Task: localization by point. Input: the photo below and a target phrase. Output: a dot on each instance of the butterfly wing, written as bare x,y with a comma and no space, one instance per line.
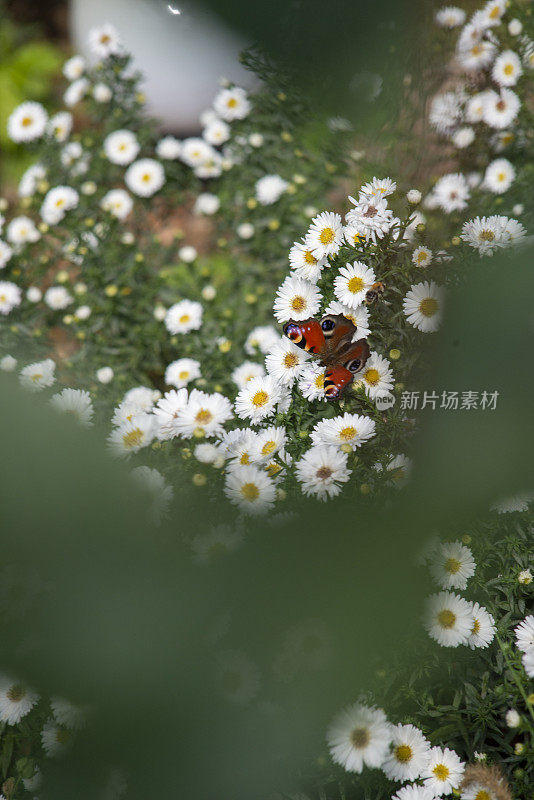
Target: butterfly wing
344,365
307,335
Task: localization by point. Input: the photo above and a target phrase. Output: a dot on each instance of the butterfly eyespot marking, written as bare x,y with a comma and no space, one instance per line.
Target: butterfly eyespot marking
292,332
328,325
354,365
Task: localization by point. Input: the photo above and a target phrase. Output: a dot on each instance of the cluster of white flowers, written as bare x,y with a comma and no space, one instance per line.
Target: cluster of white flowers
449,618
361,736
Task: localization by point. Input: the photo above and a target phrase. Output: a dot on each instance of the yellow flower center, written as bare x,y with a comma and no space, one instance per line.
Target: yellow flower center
250,492
326,236
291,360
3,298
403,753
298,303
355,284
244,459
482,795
16,693
133,438
231,102
501,176
184,319
452,565
146,177
441,772
347,434
309,258
446,618
429,306
203,417
105,38
26,121
372,376
359,737
60,202
268,448
260,398
319,381
36,376
486,236
422,256
508,69
495,12
183,375
476,50
272,468
476,626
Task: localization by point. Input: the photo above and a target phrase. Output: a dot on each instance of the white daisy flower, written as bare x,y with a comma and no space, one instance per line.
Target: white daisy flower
524,634
258,399
74,67
169,148
104,375
500,109
518,502
195,151
187,254
499,176
478,55
525,577
444,771
217,132
474,107
325,235
27,122
212,167
485,234
267,442
239,446
67,714
321,470
208,453
121,147
528,663
57,202
347,431
463,137
133,435
76,92
245,372
118,202
409,755
422,256
412,791
183,317
102,93
55,739
143,396
261,338
21,230
204,415
378,188
8,364
452,192
57,298
311,381
60,125
448,619
285,361
167,412
359,736
250,488
353,282
29,180
399,468
304,264
16,700
269,189
370,218
219,540
376,376
296,300
39,375
245,230
5,253
232,104
476,791
450,16
445,111
513,718
76,402
483,628
182,371
144,177
452,565
423,306
207,203
159,491
359,317
493,11
507,68
104,41
10,297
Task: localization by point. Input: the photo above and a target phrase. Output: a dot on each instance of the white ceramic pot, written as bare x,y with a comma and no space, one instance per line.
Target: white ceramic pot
182,55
